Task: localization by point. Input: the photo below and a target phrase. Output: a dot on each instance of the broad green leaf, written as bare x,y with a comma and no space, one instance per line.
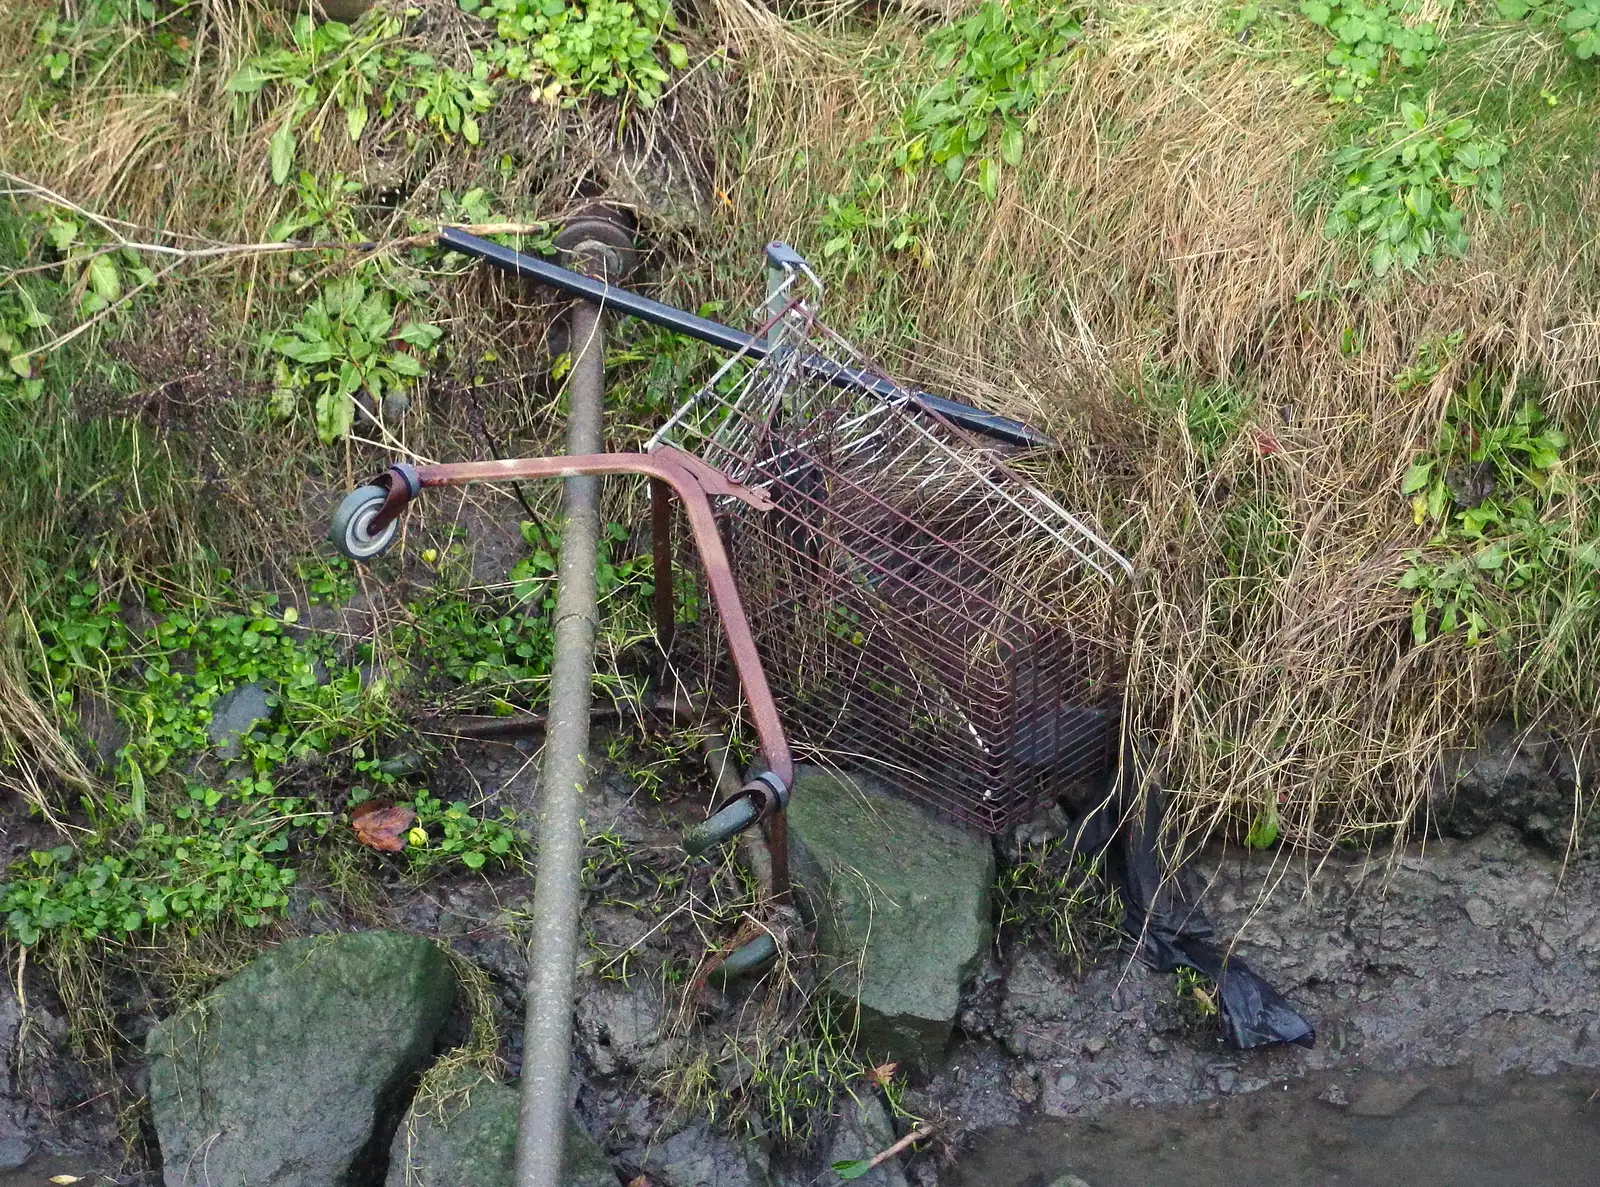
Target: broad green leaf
1264,829
1317,12
419,333
1416,477
136,800
305,352
249,80
1438,499
1011,146
61,233
355,119
405,364
852,1168
280,151
372,317
334,413
103,278
989,178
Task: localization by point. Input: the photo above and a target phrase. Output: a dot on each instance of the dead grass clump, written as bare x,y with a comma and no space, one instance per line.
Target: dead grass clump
1151,284
1162,232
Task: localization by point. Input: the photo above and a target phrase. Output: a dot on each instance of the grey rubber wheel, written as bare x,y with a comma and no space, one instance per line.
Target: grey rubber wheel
350,529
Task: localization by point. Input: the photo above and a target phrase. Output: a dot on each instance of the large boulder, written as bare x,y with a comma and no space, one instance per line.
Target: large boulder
293,1073
462,1132
901,903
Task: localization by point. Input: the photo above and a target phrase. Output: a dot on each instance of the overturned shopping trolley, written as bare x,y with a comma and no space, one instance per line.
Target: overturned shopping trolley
890,591
919,607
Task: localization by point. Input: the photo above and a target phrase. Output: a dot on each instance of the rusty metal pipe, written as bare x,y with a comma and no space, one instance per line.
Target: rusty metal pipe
665,605
692,481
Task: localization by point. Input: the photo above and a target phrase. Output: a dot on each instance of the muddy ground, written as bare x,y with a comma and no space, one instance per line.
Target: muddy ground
1479,955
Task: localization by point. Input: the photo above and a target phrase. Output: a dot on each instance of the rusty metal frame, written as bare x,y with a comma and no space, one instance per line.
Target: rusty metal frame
695,483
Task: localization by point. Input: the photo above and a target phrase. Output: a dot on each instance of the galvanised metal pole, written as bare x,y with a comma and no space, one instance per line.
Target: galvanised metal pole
553,954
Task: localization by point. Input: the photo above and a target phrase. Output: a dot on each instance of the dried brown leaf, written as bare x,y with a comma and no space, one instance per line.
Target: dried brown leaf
380,826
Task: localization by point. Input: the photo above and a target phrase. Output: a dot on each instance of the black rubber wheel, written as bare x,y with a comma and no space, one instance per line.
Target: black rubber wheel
729,822
349,528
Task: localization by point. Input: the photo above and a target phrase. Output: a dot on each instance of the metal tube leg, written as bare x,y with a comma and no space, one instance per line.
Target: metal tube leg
552,964
661,564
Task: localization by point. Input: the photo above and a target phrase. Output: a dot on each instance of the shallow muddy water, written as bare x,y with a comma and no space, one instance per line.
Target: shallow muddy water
1439,1129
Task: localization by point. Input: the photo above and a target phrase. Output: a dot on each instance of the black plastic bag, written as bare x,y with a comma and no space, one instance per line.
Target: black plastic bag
1170,931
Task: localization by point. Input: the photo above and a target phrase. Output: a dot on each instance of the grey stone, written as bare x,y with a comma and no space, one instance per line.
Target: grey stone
861,1131
1385,1097
1522,777
101,727
234,715
291,1072
395,405
617,1025
14,1152
697,1157
902,908
461,1131
1069,1181
1482,912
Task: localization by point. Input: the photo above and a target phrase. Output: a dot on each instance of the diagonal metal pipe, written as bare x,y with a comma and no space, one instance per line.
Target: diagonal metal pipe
553,953
626,301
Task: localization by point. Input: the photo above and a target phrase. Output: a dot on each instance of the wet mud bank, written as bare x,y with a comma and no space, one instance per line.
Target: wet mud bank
1458,982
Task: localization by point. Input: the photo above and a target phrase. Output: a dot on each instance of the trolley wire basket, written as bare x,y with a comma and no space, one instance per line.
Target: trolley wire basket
921,609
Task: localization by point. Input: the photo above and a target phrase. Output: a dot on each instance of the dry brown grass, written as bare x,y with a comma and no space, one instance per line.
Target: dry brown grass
1155,240
1155,236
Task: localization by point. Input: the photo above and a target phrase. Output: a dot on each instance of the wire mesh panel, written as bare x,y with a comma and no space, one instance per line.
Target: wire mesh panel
918,606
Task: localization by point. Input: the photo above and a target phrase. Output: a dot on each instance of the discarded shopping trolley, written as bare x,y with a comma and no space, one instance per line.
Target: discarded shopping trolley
912,598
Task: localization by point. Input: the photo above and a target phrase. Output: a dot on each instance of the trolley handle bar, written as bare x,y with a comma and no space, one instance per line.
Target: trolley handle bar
681,321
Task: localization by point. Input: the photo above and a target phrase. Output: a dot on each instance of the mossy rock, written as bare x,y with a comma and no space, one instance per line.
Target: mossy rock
462,1132
902,907
293,1072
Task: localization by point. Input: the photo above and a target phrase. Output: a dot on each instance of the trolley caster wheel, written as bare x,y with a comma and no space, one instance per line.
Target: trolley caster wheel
725,825
350,527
